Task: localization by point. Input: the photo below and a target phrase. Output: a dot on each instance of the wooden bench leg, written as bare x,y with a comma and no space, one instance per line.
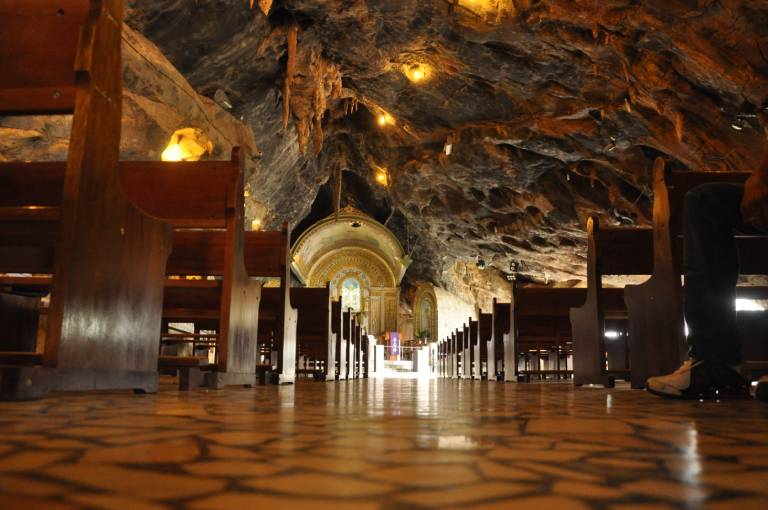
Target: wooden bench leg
19,316
190,378
264,377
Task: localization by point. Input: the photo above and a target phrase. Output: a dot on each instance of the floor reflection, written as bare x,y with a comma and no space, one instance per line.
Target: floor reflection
384,443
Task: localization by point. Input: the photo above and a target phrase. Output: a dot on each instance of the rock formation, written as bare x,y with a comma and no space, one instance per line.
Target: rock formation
533,113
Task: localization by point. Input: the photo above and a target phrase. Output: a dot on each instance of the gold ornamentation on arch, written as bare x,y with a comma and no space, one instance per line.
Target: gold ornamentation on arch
351,258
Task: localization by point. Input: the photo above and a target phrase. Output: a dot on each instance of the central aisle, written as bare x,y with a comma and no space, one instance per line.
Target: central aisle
381,443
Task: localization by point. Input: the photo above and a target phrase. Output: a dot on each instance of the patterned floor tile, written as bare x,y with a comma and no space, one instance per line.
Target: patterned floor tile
133,482
425,475
383,444
585,490
111,502
533,503
248,501
30,461
463,495
165,452
312,484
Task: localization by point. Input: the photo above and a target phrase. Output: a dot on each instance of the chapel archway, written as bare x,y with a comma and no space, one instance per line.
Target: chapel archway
362,261
425,313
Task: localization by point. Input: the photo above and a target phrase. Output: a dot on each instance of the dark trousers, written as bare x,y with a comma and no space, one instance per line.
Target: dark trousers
712,215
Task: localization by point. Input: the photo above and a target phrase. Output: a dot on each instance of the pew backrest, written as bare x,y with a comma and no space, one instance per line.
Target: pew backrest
186,194
38,77
314,310
59,57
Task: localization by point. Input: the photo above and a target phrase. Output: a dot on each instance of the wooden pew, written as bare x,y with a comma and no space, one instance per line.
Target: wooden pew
542,324
456,351
351,347
440,358
101,256
342,344
501,340
462,340
346,345
267,254
453,358
356,353
466,370
656,306
203,201
365,347
457,348
447,356
439,361
473,332
610,251
485,337
473,348
315,338
204,196
336,330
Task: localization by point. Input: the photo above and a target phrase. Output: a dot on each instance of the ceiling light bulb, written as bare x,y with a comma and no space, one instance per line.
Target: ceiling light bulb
385,119
417,73
381,178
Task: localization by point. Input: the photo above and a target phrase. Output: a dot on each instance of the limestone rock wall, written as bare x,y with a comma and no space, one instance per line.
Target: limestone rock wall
553,110
535,115
452,313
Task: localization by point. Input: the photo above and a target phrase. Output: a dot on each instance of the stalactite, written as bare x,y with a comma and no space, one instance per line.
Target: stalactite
678,126
337,189
320,104
264,5
290,69
310,82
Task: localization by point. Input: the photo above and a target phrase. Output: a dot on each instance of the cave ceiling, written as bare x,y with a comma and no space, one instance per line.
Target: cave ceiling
553,110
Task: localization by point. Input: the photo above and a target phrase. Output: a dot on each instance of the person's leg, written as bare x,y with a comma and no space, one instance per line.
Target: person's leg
711,216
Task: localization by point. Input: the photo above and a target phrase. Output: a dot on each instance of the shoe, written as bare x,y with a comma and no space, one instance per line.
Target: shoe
698,378
761,392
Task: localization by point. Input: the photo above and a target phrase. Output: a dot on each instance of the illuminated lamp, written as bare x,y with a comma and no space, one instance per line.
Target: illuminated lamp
187,144
381,175
417,73
385,119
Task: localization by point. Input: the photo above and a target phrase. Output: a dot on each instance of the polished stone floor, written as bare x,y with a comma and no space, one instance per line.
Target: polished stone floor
383,443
